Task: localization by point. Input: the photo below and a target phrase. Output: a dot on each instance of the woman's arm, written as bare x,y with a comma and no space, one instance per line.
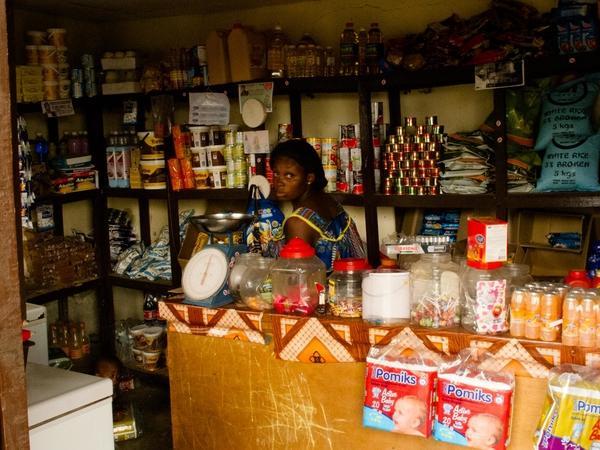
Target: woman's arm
295,227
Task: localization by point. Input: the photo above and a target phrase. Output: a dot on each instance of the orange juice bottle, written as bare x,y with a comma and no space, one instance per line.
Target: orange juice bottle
533,312
550,313
517,312
571,313
587,323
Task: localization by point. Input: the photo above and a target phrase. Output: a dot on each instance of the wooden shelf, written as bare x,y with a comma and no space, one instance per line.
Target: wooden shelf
349,199
212,194
44,296
142,285
135,193
70,197
553,200
437,201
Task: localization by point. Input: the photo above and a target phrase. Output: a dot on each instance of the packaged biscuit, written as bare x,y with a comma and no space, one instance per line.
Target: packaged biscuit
474,406
571,414
399,392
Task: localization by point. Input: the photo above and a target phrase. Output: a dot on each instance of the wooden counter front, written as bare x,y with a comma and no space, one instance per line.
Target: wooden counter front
228,394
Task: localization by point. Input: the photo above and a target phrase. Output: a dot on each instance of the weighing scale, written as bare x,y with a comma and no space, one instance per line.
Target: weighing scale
205,276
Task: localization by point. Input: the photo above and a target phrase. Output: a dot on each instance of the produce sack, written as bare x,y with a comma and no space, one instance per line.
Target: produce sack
570,164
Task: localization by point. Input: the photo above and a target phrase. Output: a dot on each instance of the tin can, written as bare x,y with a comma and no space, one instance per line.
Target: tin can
77,75
421,130
331,177
392,139
351,131
329,152
285,132
431,120
315,143
386,186
400,131
437,129
410,122
416,181
76,89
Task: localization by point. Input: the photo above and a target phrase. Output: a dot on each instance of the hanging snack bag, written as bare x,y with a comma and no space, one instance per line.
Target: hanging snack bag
474,406
567,109
399,391
570,164
571,415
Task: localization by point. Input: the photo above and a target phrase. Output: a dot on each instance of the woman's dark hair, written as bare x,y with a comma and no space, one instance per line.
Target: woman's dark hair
305,155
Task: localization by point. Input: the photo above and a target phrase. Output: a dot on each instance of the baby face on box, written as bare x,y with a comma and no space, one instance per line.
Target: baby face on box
399,395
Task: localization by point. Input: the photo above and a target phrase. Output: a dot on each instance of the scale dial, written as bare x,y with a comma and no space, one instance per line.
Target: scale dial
205,274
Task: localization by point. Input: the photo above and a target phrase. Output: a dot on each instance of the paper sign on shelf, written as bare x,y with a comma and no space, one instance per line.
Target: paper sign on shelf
256,142
209,108
58,108
499,75
263,92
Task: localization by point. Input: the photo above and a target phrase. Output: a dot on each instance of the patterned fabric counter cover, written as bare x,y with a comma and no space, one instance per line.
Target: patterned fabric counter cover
329,339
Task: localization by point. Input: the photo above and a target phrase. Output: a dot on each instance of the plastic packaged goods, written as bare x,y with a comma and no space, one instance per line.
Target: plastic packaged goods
247,53
474,402
374,49
219,71
399,391
570,414
276,54
435,299
349,51
345,287
298,278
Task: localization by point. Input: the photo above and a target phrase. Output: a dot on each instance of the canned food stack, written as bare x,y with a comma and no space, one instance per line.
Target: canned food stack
410,160
349,161
46,50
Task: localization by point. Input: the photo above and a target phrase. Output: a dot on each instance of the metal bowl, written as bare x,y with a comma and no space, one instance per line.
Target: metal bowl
222,222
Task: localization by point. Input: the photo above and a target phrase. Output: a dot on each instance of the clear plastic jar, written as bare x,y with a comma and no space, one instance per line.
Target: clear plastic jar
484,304
517,275
435,298
242,262
345,287
256,288
298,278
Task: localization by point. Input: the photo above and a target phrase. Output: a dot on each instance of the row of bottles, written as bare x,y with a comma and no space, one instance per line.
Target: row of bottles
72,144
71,338
361,53
122,138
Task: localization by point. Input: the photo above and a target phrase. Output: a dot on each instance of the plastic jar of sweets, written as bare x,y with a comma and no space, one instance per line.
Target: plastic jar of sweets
345,287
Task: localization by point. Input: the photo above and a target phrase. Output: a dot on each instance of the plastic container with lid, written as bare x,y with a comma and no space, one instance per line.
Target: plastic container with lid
345,287
484,302
256,287
578,278
435,300
386,295
242,262
298,278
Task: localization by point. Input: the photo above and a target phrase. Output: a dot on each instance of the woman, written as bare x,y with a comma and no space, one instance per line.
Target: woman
321,221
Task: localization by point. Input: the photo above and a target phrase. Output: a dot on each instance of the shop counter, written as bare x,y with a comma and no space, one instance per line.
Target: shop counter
242,379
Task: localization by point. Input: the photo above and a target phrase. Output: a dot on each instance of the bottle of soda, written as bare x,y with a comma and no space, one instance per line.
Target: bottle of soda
330,69
362,50
150,309
53,338
374,49
276,53
348,51
40,146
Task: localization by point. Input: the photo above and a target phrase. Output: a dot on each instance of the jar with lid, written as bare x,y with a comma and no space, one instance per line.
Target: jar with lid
484,305
298,278
345,287
386,295
242,262
256,288
435,298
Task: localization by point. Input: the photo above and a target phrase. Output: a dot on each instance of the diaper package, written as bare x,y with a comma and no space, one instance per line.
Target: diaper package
474,406
571,415
399,391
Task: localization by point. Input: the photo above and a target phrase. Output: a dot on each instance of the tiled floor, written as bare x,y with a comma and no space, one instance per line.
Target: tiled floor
152,408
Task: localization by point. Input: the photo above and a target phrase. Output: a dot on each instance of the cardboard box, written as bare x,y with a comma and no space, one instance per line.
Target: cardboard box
487,241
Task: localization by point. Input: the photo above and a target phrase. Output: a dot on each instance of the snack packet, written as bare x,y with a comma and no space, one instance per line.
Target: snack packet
399,391
474,406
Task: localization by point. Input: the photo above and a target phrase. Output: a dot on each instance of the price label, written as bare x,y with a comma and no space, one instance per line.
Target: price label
58,108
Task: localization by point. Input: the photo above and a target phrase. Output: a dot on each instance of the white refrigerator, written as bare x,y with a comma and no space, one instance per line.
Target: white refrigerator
68,410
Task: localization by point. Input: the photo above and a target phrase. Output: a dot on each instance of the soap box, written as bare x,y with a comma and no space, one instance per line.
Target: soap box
399,396
487,241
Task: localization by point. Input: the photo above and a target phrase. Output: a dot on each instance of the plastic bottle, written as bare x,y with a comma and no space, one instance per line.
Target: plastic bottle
73,144
290,61
75,349
320,61
374,49
150,309
85,340
300,67
330,69
40,146
276,54
348,50
311,60
84,143
362,50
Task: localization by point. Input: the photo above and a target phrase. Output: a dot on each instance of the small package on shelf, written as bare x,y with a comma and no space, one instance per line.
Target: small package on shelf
474,402
399,391
400,244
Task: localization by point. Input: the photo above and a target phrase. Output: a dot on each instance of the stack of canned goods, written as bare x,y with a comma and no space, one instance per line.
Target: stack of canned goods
83,79
410,158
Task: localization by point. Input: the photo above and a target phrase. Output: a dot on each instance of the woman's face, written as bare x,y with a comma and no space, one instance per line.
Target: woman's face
289,179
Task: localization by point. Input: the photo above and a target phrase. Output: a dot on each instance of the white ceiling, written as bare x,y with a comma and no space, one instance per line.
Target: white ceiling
110,10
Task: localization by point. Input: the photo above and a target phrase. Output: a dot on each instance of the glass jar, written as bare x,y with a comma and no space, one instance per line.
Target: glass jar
435,298
517,275
345,287
298,278
484,304
242,262
256,288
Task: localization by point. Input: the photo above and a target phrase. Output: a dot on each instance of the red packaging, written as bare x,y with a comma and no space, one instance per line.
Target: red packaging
399,393
487,242
474,406
175,174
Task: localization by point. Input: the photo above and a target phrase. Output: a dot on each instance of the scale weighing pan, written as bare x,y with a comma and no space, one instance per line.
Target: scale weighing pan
222,222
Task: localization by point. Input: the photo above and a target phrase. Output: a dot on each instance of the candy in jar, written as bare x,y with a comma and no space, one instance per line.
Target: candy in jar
435,291
345,287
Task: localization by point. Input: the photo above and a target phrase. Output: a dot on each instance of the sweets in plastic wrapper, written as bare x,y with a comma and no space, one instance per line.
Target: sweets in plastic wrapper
571,415
399,391
474,406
